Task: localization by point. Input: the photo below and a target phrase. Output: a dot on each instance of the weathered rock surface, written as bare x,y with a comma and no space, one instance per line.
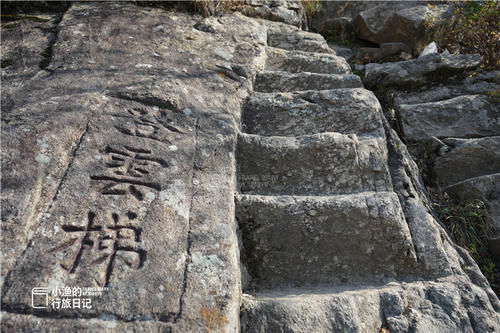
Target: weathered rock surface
271,81
300,61
463,116
417,72
328,240
112,157
347,111
326,163
292,39
128,140
486,188
418,307
462,159
400,21
438,91
299,274
287,11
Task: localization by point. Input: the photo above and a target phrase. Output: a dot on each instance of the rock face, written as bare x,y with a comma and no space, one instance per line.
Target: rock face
125,169
401,21
287,11
313,167
380,22
418,72
461,116
119,171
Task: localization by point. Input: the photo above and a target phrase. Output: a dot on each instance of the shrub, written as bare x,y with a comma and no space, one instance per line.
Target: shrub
474,27
470,225
311,7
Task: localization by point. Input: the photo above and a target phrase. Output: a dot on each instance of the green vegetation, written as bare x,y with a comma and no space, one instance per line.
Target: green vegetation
470,225
359,73
15,17
6,62
311,7
473,28
47,57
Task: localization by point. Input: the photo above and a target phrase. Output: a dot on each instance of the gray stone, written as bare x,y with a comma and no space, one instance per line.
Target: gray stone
401,21
327,240
417,72
105,323
476,84
300,61
337,17
467,158
26,44
421,307
289,38
347,111
485,188
123,160
327,163
386,52
464,116
274,81
343,52
110,178
287,11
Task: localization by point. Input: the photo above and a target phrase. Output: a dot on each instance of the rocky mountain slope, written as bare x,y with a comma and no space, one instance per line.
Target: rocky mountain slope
211,175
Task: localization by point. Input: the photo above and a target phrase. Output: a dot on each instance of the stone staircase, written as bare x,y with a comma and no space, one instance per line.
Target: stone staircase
316,209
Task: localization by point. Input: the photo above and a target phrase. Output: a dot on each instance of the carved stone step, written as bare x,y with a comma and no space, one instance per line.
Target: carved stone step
300,61
309,112
402,307
276,81
287,37
319,164
309,240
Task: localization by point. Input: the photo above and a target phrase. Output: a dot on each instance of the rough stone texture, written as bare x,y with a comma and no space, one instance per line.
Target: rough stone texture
292,39
417,72
463,116
122,172
113,157
12,322
467,158
22,60
485,187
327,240
401,21
300,61
326,163
447,306
287,11
346,111
394,51
338,16
471,85
284,297
271,81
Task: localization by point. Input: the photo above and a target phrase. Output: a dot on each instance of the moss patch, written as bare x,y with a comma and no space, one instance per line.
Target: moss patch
16,17
7,62
47,57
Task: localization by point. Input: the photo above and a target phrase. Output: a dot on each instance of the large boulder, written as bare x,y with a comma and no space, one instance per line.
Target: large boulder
462,159
417,72
397,22
287,11
463,116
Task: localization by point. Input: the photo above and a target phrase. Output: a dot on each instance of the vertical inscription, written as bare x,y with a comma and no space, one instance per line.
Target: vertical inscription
109,234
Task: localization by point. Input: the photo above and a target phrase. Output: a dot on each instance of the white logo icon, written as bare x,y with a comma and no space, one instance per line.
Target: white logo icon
39,298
